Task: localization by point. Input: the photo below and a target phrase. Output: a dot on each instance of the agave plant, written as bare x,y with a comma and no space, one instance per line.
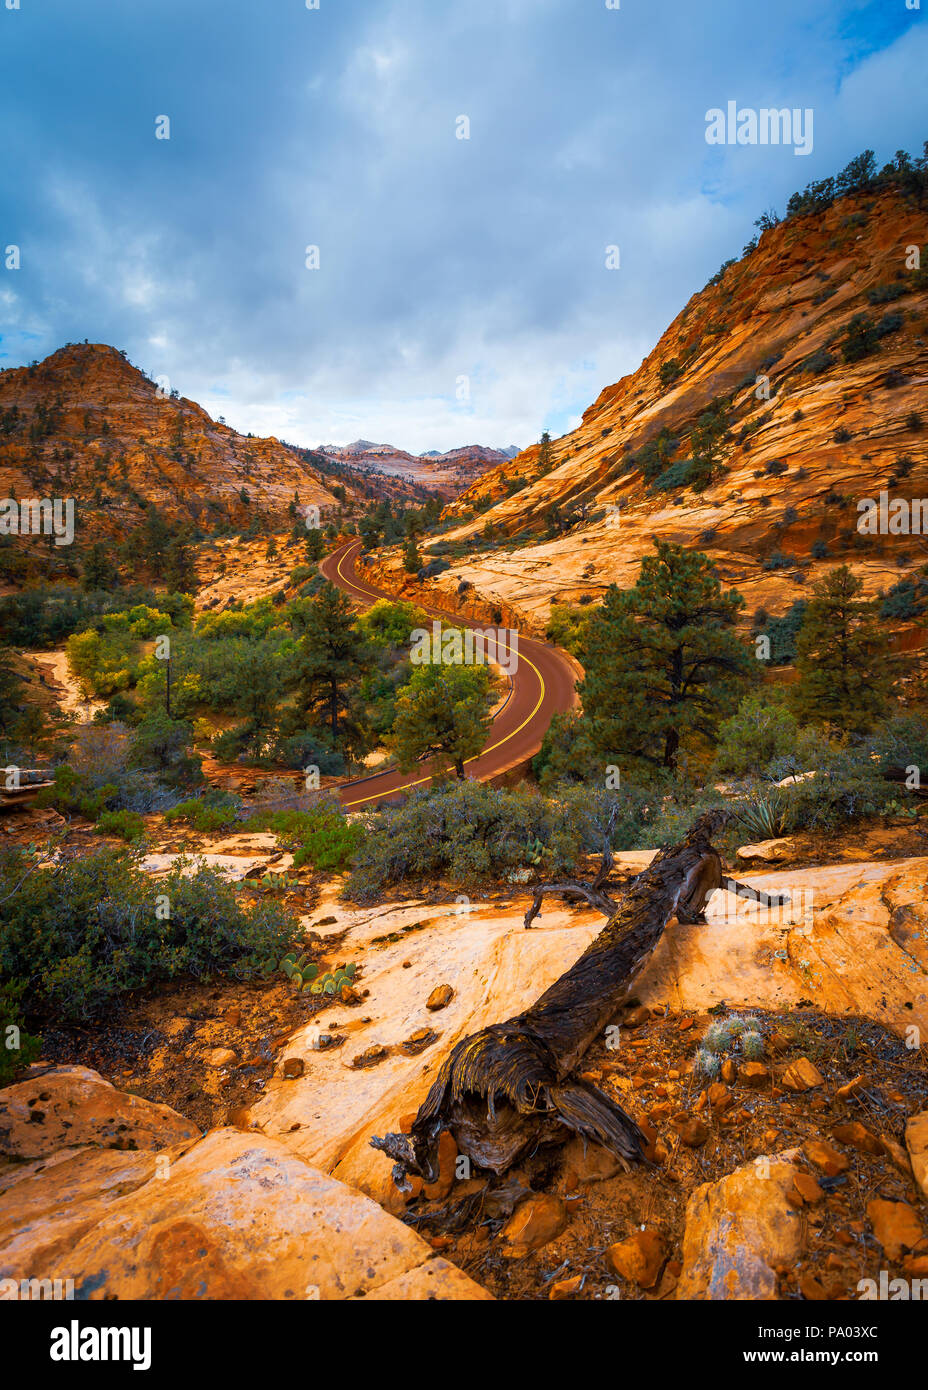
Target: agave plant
764,817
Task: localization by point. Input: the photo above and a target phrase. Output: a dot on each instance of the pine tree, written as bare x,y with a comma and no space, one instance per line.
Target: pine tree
99,570
442,714
412,560
330,659
545,453
180,574
842,657
663,665
10,691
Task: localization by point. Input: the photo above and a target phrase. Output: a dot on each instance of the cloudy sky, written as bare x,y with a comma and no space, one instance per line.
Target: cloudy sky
461,294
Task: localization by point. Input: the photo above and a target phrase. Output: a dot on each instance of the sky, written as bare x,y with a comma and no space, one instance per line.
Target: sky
462,293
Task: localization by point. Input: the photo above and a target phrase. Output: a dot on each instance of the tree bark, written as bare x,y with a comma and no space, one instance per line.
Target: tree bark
513,1085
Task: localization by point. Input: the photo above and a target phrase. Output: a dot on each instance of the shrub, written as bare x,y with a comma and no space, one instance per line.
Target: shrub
777,560
128,825
470,833
78,937
907,599
819,550
677,475
321,837
818,362
202,815
760,730
18,1047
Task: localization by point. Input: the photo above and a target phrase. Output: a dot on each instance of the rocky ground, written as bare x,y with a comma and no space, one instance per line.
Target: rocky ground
795,1174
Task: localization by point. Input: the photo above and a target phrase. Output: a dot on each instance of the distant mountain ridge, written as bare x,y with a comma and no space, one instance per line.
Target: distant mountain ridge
445,473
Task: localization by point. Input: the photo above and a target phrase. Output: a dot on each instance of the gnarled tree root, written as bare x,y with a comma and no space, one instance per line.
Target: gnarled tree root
513,1086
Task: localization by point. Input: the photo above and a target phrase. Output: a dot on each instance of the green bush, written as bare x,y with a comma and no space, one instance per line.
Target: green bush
760,730
128,825
78,936
17,1047
469,833
203,816
321,837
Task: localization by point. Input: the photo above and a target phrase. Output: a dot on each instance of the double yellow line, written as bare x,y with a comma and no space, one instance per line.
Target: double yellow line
520,656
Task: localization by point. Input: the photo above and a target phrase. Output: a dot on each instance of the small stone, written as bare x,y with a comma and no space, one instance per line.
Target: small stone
565,1288
857,1137
754,1075
729,1071
719,1096
370,1056
220,1057
535,1222
895,1225
635,1017
233,1016
811,1289
915,1264
638,1259
589,1162
802,1075
693,1132
851,1089
293,1067
824,1156
896,1154
808,1188
685,1025
440,997
916,1139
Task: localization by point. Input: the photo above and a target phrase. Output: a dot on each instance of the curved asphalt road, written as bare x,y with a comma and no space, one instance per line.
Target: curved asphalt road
542,685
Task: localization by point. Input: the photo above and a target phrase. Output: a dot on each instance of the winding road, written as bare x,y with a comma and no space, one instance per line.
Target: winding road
542,685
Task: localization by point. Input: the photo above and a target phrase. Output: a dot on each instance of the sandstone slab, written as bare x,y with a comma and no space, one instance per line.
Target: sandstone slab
63,1106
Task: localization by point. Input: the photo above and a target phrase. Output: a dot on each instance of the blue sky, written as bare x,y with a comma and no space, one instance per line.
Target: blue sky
461,295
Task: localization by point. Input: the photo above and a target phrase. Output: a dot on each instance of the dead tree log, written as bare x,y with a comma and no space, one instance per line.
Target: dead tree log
512,1086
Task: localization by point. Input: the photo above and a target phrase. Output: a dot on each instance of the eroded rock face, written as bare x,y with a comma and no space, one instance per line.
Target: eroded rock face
236,1216
740,1231
63,1107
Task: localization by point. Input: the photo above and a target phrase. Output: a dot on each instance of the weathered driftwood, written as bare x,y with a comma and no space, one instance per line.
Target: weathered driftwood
505,1090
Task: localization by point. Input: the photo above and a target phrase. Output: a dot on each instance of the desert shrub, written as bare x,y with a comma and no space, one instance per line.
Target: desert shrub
885,294
777,560
308,749
205,815
78,936
470,833
17,1047
677,475
818,362
321,837
847,787
760,730
907,599
670,371
819,550
128,825
782,633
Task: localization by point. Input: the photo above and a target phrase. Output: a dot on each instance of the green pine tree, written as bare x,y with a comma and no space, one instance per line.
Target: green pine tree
663,664
546,453
442,714
99,570
842,657
180,574
412,560
330,660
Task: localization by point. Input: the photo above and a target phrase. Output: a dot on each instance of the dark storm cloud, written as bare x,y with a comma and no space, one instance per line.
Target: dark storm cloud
440,258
